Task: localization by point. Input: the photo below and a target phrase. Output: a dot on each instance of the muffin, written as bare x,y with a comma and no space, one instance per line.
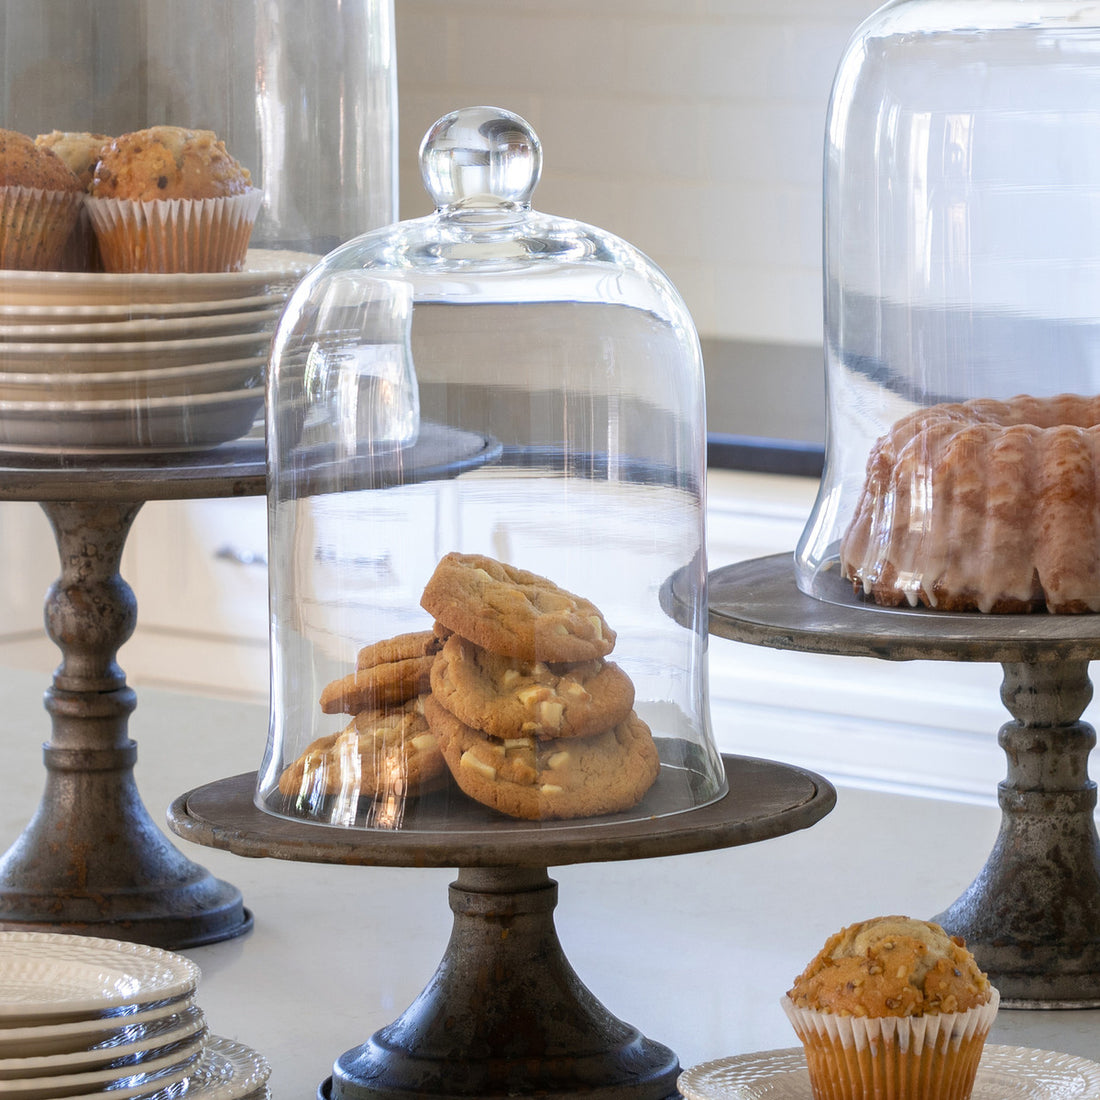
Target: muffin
170,199
892,1007
40,199
80,151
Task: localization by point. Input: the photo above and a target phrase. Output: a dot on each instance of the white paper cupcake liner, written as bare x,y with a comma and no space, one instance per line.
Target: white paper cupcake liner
35,224
932,1057
174,235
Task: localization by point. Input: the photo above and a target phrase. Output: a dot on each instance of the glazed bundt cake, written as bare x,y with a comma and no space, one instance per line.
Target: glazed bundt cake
982,505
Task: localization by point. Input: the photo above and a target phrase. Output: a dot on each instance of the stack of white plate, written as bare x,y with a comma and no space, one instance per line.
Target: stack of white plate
107,363
82,1017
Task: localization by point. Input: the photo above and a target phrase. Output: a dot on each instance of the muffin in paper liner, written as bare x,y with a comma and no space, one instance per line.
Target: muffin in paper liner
174,235
929,1057
79,151
35,225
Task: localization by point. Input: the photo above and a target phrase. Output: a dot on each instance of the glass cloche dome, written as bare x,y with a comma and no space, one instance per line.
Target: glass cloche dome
962,325
170,170
486,454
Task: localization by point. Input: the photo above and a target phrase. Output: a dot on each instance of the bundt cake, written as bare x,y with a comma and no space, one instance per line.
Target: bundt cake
982,505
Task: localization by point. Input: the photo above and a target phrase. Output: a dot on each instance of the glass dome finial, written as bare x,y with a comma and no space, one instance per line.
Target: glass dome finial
480,157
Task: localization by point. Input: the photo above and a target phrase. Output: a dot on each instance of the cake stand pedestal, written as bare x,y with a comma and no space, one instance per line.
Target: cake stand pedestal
92,861
505,1015
1032,915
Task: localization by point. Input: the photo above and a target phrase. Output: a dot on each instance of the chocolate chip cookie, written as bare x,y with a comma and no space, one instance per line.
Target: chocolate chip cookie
534,780
504,696
513,612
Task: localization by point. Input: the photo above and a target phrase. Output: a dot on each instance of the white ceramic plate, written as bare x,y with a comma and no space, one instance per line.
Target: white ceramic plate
144,328
177,1063
80,1035
31,314
1005,1073
226,1071
50,975
50,357
193,378
266,271
133,1043
167,1085
107,427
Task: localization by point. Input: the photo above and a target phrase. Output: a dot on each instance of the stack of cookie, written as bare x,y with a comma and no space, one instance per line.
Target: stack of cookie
510,693
387,750
532,719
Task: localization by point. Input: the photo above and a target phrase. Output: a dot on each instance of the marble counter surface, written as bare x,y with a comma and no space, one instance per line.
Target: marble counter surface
695,951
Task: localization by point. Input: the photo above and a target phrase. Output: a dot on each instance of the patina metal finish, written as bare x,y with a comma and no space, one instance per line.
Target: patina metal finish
505,1009
1035,907
505,1015
1032,915
92,861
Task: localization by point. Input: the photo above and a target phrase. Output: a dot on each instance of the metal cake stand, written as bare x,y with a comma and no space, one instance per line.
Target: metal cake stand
505,1015
1032,915
91,861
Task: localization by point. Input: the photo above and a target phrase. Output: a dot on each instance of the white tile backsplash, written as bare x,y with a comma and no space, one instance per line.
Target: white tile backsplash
692,128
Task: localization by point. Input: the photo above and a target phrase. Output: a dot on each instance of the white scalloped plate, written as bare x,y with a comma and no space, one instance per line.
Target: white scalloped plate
1005,1073
170,1085
181,422
174,1065
226,1071
47,356
134,1043
265,271
231,374
31,314
143,328
79,1035
49,975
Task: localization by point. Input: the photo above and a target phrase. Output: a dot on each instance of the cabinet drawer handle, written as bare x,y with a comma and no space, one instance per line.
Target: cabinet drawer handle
241,557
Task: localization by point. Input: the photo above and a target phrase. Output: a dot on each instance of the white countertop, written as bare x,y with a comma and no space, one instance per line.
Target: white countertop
695,950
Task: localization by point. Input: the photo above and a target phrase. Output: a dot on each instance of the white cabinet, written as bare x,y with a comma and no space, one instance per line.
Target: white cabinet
198,569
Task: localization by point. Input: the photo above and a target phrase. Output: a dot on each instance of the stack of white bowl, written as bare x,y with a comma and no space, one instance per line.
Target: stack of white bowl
95,362
82,1017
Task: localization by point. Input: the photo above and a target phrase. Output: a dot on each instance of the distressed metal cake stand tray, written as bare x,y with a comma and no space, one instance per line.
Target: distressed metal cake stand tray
505,1015
1032,915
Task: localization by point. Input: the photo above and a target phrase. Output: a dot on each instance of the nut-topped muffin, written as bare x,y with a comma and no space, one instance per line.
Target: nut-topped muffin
892,1006
172,199
80,151
168,162
891,966
40,200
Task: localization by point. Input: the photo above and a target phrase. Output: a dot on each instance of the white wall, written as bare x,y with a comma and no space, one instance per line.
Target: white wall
692,128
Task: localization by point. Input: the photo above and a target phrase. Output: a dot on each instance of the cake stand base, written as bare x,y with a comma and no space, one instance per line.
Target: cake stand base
504,1009
1032,915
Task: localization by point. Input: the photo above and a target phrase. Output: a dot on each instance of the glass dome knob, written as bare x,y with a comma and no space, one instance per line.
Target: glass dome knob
480,157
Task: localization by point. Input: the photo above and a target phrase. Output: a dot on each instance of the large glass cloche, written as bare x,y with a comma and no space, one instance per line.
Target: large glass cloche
486,452
168,171
962,328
